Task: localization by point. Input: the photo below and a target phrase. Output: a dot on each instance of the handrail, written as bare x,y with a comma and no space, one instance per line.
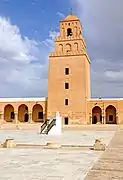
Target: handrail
43,126
53,123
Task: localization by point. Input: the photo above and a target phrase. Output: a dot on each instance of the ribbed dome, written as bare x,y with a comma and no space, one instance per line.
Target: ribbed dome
71,17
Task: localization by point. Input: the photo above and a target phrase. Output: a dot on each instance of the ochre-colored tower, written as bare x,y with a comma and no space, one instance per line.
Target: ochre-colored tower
69,74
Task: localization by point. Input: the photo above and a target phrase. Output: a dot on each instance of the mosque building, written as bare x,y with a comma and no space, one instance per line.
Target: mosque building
69,91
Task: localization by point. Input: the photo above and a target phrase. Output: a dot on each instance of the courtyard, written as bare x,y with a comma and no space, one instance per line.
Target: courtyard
36,163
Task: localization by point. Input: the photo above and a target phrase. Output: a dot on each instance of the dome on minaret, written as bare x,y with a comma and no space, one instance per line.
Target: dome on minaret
71,18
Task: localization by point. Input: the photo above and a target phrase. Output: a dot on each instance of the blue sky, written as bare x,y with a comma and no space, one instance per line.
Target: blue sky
27,31
35,18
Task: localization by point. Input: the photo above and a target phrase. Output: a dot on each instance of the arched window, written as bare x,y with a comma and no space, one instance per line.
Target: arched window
69,32
76,46
68,47
75,31
60,48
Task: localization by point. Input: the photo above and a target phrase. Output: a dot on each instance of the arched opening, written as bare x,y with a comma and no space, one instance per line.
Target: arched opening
60,48
68,47
37,113
111,115
76,46
23,113
96,115
76,31
69,32
9,113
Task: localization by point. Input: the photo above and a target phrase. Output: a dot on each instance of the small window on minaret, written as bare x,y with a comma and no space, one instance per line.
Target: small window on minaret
69,32
66,85
66,71
66,102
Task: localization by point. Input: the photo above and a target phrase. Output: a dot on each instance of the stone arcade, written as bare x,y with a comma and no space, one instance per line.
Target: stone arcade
68,87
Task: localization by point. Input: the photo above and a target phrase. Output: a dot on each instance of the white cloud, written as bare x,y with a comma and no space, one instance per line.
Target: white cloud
23,62
102,23
12,45
61,15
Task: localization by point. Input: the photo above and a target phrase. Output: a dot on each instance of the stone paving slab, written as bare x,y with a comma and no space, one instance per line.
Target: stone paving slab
29,164
48,164
37,127
104,175
110,165
113,155
86,138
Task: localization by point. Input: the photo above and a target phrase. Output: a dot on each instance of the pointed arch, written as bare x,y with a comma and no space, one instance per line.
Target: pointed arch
68,47
76,46
60,48
37,113
8,113
69,32
76,33
96,115
111,115
23,115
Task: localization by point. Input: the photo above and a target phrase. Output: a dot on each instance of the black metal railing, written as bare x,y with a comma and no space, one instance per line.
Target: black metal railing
53,123
43,126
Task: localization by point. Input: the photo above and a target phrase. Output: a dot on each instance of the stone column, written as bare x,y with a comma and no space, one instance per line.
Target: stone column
2,117
104,119
16,117
117,119
103,114
91,119
30,117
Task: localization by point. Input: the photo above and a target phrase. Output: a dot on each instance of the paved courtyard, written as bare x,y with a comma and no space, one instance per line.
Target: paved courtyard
110,164
49,164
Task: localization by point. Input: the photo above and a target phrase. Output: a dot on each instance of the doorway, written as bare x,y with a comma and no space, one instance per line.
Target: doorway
96,115
95,120
66,120
26,117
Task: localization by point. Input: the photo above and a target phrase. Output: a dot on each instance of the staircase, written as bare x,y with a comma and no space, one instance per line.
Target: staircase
47,126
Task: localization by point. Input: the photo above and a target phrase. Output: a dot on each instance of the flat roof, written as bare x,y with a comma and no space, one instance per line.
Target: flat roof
22,99
105,99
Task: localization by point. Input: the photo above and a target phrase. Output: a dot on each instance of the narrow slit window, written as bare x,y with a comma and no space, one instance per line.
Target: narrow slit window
66,85
66,71
66,102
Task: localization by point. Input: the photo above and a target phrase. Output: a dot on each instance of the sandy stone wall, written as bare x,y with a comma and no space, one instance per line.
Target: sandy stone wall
22,109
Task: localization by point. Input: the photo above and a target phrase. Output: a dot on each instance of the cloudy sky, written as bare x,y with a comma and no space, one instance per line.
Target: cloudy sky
27,30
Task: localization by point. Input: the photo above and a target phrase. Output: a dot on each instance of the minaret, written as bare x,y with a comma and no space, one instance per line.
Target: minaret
69,74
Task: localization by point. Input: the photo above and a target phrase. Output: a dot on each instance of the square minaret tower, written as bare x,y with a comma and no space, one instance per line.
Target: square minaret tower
69,74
